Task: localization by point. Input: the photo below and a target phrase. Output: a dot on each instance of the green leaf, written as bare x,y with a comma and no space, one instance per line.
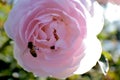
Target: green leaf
104,64
107,55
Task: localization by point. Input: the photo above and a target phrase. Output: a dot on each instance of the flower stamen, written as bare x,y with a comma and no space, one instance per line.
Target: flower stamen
55,35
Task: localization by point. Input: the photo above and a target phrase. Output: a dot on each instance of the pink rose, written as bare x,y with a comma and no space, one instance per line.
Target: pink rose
55,37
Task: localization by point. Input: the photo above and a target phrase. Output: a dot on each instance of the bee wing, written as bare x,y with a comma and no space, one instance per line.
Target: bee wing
34,54
30,51
25,51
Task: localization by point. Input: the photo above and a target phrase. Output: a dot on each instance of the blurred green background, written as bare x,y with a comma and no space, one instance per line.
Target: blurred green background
109,37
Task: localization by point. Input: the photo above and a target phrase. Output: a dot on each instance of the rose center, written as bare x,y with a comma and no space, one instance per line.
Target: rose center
47,31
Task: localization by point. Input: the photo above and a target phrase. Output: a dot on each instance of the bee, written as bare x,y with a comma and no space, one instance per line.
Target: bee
32,49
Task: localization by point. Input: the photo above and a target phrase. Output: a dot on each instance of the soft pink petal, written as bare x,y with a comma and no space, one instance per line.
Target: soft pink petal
95,23
92,54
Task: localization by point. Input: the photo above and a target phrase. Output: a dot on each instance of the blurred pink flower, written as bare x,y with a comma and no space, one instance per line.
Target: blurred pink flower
55,37
106,1
115,1
102,1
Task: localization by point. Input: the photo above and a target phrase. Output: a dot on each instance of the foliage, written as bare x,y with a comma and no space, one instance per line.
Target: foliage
10,70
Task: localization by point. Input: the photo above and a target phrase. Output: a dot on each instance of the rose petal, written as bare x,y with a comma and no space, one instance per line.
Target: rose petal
92,55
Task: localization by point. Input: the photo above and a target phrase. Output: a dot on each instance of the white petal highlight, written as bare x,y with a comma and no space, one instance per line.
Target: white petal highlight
92,55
